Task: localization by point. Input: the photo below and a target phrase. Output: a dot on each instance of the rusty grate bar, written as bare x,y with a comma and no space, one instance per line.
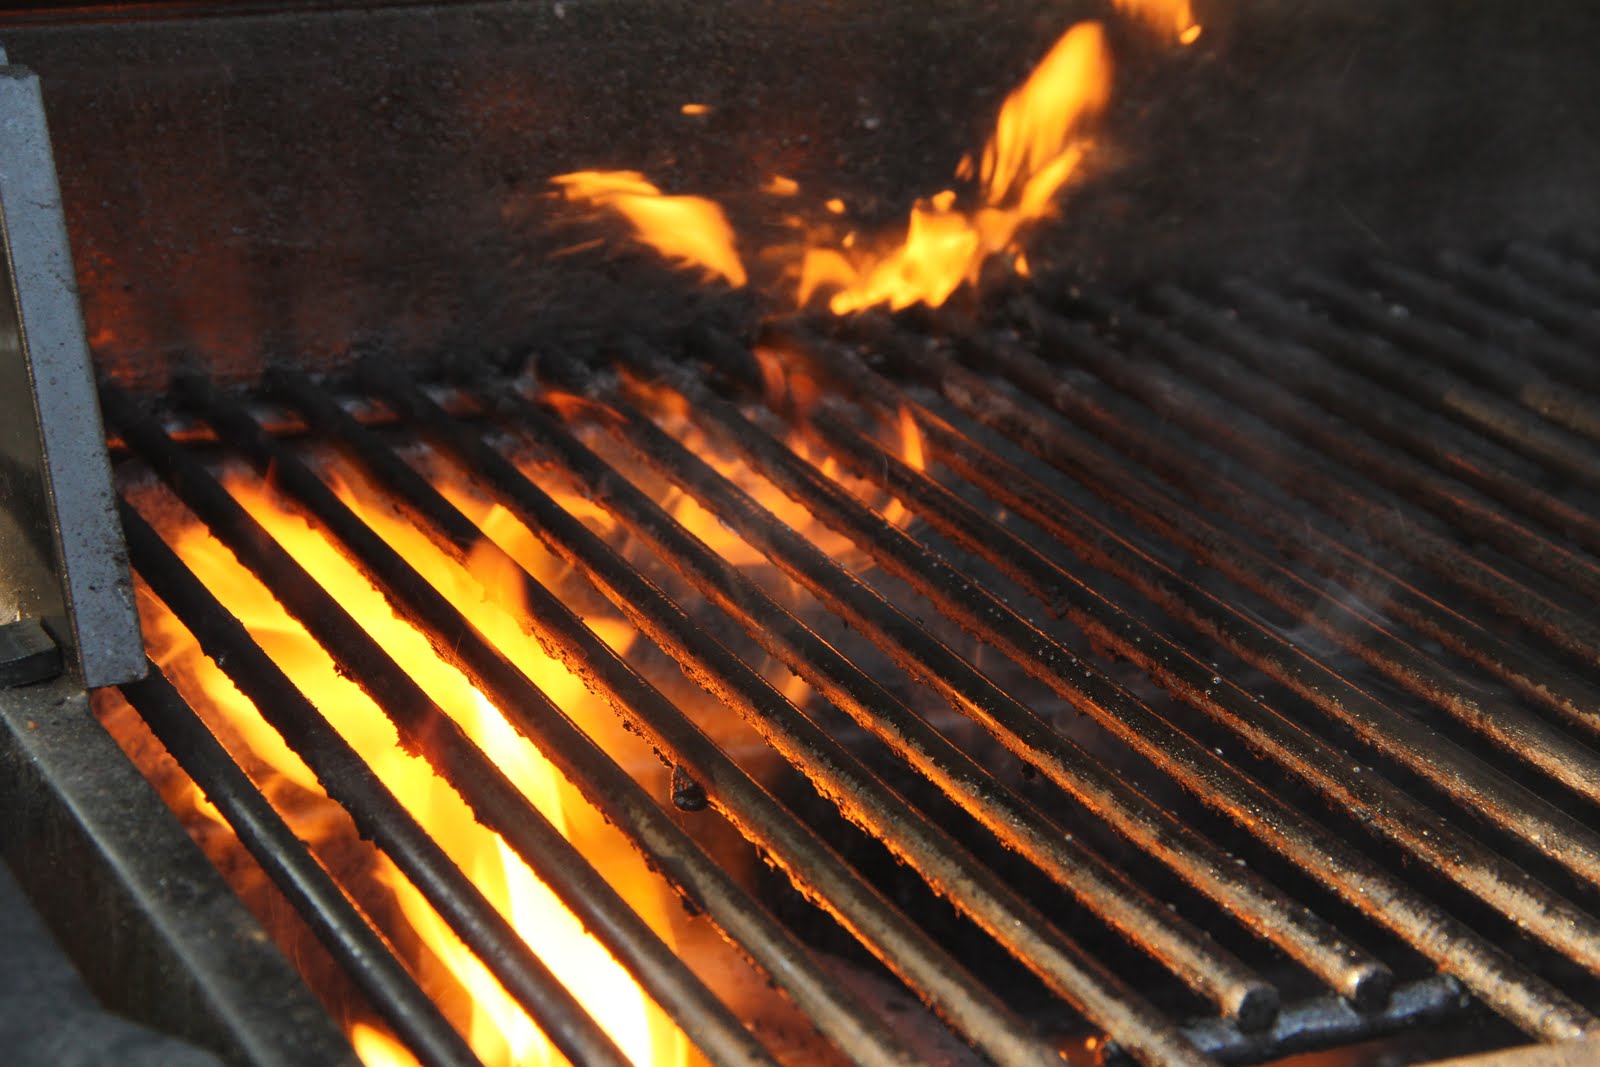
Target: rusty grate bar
1369,350
1516,482
1315,478
1260,907
1478,787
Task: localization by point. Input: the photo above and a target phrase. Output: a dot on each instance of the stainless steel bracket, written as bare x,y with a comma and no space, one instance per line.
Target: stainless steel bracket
62,559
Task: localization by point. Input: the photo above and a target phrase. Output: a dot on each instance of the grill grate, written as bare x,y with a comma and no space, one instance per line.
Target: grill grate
1315,563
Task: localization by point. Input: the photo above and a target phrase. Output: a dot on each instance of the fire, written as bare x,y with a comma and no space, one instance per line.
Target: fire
498,1030
1037,145
685,229
1040,141
1164,16
378,1049
788,385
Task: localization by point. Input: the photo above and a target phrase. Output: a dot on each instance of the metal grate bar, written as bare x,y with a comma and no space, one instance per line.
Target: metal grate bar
1262,909
1361,458
360,950
998,625
1200,962
1474,406
1502,474
1569,761
1382,806
1480,967
1308,475
899,944
1301,489
341,770
1293,528
1548,304
448,527
1352,626
1325,1022
495,800
1493,336
1566,290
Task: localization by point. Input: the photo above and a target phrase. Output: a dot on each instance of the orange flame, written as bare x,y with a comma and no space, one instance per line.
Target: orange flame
496,1027
1039,143
685,229
1164,16
499,1032
1036,147
378,1048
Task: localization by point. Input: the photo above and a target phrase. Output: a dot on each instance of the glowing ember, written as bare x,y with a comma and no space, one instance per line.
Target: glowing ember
778,185
685,229
496,1027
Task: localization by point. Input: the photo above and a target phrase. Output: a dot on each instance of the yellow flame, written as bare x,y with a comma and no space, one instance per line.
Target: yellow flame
496,1027
1041,118
696,109
1037,145
377,1048
1164,16
685,229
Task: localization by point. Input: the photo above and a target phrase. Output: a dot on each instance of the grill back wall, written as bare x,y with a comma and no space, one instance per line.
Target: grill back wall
312,185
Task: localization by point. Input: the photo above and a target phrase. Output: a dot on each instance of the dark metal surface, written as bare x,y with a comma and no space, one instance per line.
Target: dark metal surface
1326,1023
61,558
28,653
157,934
49,1019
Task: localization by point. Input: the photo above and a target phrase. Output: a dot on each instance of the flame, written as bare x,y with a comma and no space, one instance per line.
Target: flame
377,1048
1037,146
783,377
1039,143
498,1030
1164,16
685,229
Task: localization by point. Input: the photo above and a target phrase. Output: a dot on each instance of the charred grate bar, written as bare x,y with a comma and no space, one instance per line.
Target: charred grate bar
1201,675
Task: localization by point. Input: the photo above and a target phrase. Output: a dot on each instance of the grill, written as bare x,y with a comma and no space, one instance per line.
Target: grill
1177,648
1221,689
